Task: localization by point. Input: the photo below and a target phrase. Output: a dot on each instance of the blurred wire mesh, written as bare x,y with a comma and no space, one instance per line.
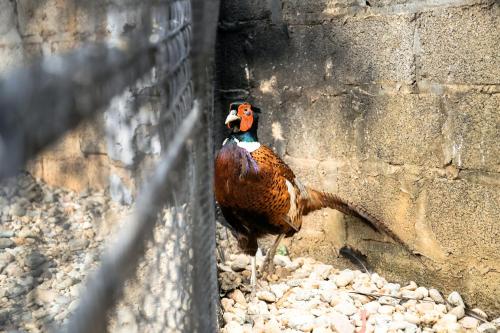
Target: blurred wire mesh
159,275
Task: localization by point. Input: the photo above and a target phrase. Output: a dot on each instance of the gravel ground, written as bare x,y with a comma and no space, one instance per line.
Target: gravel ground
308,296
50,239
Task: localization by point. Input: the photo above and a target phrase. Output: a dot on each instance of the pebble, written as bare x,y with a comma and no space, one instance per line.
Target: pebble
43,250
6,233
391,289
344,278
422,292
410,294
321,271
455,299
238,297
436,296
341,323
346,308
78,244
266,296
469,322
279,289
6,243
412,318
458,311
424,307
240,263
487,328
272,326
258,308
300,320
480,313
430,317
233,327
386,309
372,307
17,210
227,304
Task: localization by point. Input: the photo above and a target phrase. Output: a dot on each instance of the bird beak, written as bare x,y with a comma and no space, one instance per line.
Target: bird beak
230,118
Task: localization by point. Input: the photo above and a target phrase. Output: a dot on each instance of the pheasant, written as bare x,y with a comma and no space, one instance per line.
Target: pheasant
259,194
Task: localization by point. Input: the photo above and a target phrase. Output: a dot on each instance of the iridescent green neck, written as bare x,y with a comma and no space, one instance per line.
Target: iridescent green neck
244,136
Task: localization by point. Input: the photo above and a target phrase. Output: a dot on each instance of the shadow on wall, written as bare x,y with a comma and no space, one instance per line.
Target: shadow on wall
346,102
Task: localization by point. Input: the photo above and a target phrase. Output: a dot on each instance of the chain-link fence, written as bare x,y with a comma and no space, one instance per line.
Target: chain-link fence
159,274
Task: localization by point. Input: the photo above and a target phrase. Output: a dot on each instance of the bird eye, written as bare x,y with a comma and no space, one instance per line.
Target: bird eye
248,112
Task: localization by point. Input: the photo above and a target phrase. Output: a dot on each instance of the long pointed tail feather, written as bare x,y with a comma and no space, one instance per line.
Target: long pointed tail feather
317,200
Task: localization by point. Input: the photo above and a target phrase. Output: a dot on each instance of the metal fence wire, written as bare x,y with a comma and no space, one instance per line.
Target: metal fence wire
159,275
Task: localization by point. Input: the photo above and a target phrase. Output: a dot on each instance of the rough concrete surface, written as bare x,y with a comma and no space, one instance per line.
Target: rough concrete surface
393,104
114,150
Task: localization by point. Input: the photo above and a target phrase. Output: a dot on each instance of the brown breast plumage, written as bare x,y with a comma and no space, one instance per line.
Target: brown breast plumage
251,189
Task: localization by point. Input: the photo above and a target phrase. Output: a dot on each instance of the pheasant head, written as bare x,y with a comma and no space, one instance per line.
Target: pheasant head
242,117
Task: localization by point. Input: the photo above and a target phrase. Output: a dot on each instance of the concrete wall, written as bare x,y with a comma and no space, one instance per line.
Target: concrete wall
394,104
114,150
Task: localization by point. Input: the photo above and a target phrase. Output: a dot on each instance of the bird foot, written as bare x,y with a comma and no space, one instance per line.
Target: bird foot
267,267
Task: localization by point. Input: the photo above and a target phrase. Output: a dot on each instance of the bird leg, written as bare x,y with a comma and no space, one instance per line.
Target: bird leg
268,265
253,277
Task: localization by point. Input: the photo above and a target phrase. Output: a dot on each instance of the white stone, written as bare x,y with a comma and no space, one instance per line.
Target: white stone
392,289
258,308
409,294
299,320
240,263
496,322
487,328
469,322
455,299
233,327
449,318
372,307
279,289
322,329
412,318
411,328
436,296
266,296
272,326
341,323
441,308
303,294
322,271
480,313
424,307
422,292
227,304
381,328
344,278
346,308
411,286
327,295
458,311
238,297
397,325
430,317
386,309
229,317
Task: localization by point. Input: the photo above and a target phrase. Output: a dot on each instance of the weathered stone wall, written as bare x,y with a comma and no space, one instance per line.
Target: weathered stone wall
113,150
394,104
